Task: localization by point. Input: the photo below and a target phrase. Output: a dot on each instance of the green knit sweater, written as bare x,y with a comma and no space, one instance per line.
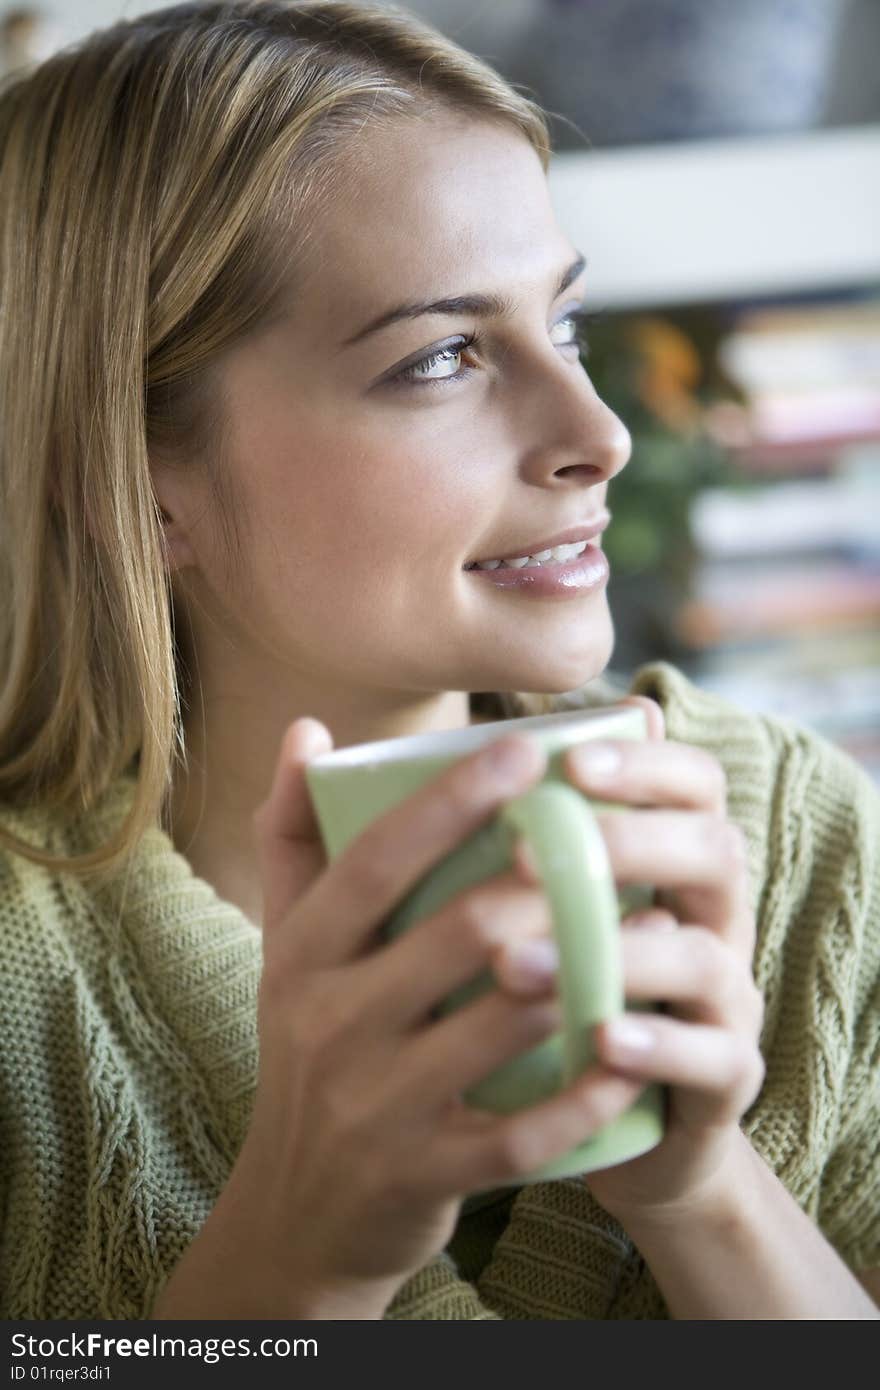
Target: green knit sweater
128,1055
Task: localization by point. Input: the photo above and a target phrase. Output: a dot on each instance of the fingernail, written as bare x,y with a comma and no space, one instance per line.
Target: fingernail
628,1035
651,919
597,762
536,960
510,758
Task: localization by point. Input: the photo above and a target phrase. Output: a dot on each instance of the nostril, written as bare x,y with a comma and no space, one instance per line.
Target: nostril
585,470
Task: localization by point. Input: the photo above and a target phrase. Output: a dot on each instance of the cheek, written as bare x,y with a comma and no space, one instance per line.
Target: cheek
369,507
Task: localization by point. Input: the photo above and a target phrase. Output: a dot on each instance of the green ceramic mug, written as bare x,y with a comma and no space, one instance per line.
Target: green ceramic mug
350,787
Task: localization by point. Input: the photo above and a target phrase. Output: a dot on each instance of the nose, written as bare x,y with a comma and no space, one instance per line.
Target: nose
575,436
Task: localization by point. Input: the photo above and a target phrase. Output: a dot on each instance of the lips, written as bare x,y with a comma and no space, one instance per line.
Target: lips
586,530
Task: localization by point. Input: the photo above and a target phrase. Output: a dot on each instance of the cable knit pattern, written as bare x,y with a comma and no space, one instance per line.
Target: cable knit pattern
128,1054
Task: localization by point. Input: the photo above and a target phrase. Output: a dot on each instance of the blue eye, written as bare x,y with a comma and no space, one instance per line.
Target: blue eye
581,319
412,375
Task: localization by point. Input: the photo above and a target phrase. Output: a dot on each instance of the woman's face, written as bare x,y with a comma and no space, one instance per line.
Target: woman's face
369,493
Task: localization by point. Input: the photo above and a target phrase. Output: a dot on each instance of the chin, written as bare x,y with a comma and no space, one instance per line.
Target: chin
575,669
568,671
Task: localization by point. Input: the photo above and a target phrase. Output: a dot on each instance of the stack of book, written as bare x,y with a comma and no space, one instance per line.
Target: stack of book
783,613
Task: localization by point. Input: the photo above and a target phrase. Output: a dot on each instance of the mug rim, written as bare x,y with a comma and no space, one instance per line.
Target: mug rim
454,742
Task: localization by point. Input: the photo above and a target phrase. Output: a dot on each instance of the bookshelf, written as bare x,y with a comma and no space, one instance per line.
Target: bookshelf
739,286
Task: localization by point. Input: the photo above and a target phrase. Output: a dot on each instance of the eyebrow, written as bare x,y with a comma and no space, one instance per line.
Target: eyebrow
481,305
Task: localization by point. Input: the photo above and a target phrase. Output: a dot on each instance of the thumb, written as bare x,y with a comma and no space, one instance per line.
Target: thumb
288,840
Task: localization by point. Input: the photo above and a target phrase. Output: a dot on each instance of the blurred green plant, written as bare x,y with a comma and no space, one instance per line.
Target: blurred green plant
655,376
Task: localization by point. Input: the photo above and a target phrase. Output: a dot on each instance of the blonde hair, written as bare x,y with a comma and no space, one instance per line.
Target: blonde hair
146,177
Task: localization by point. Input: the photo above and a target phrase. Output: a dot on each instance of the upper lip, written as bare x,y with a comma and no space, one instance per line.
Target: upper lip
581,531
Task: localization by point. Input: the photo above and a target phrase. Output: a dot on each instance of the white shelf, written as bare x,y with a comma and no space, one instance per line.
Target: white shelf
725,219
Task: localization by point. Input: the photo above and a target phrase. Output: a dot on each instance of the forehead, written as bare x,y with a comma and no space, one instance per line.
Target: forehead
446,205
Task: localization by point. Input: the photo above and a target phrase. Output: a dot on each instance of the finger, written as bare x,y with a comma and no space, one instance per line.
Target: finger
648,774
452,1054
698,862
653,714
486,1150
718,1072
692,970
377,869
478,930
287,837
527,968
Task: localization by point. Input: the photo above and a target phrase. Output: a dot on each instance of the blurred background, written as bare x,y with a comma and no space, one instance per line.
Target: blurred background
719,165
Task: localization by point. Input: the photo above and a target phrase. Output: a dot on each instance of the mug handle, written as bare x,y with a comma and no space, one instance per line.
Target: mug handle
564,836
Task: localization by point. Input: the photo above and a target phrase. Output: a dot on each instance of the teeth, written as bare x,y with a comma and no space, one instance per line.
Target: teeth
558,554
568,552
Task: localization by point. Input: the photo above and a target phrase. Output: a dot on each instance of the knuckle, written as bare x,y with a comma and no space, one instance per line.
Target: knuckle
746,1062
725,843
759,1073
749,925
617,832
322,1019
459,791
496,913
733,846
595,1107
344,1117
717,778
514,1150
752,1073
369,871
756,1005
478,920
398,1190
710,963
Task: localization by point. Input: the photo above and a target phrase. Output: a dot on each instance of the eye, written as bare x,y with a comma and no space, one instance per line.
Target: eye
442,364
443,356
580,319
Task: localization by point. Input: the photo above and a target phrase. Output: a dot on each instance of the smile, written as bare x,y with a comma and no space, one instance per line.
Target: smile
560,549
557,554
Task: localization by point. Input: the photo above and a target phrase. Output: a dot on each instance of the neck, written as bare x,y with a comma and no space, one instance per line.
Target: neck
231,761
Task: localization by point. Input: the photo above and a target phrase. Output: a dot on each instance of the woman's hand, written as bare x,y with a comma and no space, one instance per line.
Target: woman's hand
359,1149
692,952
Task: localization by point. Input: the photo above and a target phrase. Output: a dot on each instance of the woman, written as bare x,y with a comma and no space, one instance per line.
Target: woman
247,476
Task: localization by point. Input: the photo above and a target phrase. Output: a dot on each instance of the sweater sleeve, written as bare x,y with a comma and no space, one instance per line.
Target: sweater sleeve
849,1192
811,817
812,821
438,1292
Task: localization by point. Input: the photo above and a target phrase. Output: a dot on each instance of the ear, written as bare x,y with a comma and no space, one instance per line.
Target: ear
174,505
178,550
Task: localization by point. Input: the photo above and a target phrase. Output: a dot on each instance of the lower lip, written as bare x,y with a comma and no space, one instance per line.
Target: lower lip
585,574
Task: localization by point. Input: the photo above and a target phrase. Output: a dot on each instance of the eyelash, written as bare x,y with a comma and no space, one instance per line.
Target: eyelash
581,318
